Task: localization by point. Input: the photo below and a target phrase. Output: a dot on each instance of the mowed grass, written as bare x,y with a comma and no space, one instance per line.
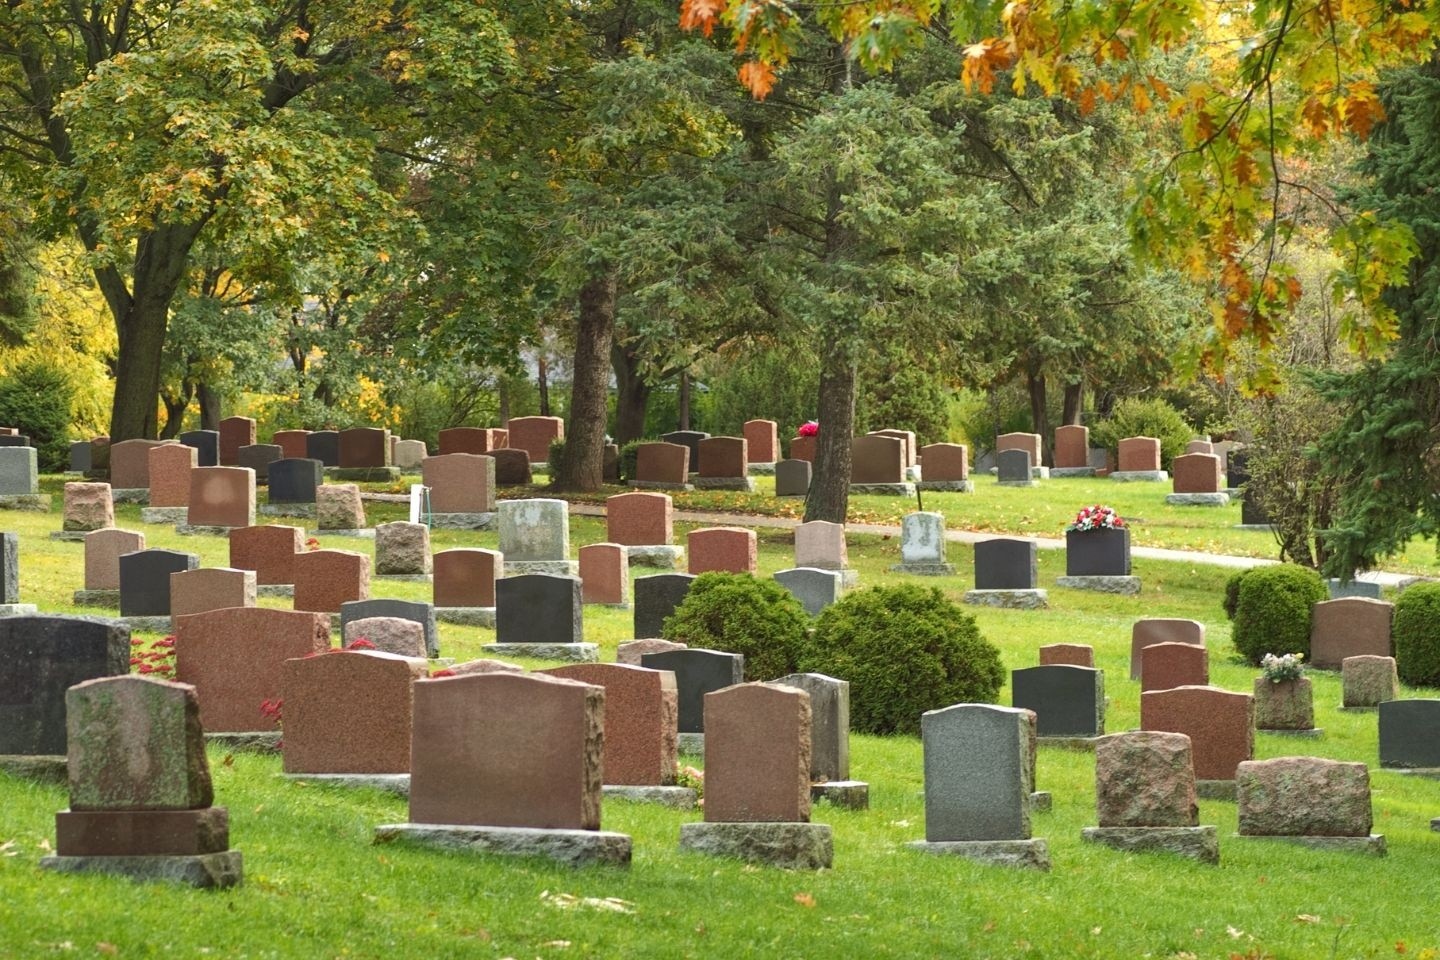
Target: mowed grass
317,887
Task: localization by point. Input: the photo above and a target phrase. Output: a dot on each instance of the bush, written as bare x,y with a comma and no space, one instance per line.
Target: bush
738,613
35,397
629,453
1272,610
1232,592
1134,417
556,458
1417,635
904,650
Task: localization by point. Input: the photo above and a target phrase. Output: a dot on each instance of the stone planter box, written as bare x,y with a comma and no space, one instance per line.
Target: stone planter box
1097,553
1287,705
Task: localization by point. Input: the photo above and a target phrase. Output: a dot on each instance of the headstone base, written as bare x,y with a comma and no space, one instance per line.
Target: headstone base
1078,744
1017,483
175,515
1255,527
149,624
574,848
96,598
1198,499
203,530
1373,845
925,569
396,783
140,495
305,511
554,568
1424,773
359,533
207,870
275,590
608,606
467,616
1351,708
659,485
18,609
1124,585
406,577
568,652
850,794
1234,492
28,502
252,741
661,556
676,798
1435,825
744,484
794,846
363,474
1032,854
1215,789
1059,472
1008,599
1139,476
884,489
461,521
70,536
1194,843
946,486
40,767
761,469
1313,733
540,466
1041,801
690,743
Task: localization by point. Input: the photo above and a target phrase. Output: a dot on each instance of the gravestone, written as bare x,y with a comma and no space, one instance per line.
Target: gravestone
221,498
644,524
662,466
821,544
907,437
294,444
803,448
656,598
1219,723
1067,701
1014,468
877,464
512,467
923,546
404,638
1353,588
1138,458
1409,734
631,651
10,577
1029,442
1072,452
258,457
269,551
462,490
816,589
690,440
465,585
323,445
534,435
792,478
1368,681
40,658
210,588
946,467
414,611
349,712
1152,630
830,740
99,459
697,672
408,455
535,536
1315,802
1349,627
1145,797
364,448
723,465
235,432
402,549
762,441
103,549
295,480
472,440
605,575
640,715
145,581
129,468
327,579
88,506
722,549
1007,575
80,461
1199,481
1074,654
169,471
13,439
338,507
542,614
1164,666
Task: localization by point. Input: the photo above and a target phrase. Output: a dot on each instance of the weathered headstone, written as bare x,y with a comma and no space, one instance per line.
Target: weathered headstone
1313,801
1067,701
535,531
88,506
145,580
722,549
923,546
338,507
414,611
656,598
349,711
1368,681
40,658
1349,627
1145,797
235,432
396,635
402,549
326,579
821,544
1164,666
210,588
409,454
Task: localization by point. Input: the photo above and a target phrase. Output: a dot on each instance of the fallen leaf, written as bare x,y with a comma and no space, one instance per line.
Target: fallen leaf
229,760
109,949
556,943
1234,934
805,900
1306,918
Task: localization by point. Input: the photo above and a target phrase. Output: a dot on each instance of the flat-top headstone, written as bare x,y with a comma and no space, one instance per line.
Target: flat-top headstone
206,444
1145,778
945,462
1067,701
792,478
538,608
821,544
1199,446
829,724
292,443
465,577
1198,473
409,454
877,459
338,507
604,573
471,440
1349,627
1007,564
327,579
534,434
404,638
103,549
222,497
295,480
1369,681
80,460
135,743
1029,442
690,440
757,754
1219,723
130,464
210,588
1303,797
1164,666
268,550
697,672
41,658
512,467
656,598
507,750
723,457
235,432
349,711
1014,466
460,482
762,441
641,711
1139,454
907,437
402,548
169,470
365,447
639,519
323,445
1151,630
722,549
977,781
1074,654
88,506
145,580
235,658
1409,733
535,529
259,456
1072,447
662,463
414,611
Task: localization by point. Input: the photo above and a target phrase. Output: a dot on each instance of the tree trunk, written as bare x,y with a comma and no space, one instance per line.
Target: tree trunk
175,407
1073,404
209,406
583,469
632,397
829,496
542,376
683,402
504,390
1039,416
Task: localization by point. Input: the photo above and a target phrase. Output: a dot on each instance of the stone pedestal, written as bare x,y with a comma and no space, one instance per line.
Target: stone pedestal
554,568
946,486
462,521
660,556
43,768
467,616
96,598
305,511
1194,843
884,489
1008,599
208,870
363,474
1287,706
175,515
29,502
1373,845
140,495
1032,854
676,798
850,794
1198,499
395,783
573,848
1062,472
660,485
925,569
795,846
1121,585
567,652
1139,476
743,484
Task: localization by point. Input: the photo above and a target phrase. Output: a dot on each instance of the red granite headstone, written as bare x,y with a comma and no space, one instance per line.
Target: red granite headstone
365,447
1072,446
210,588
640,519
292,442
268,550
1162,630
324,579
604,573
349,711
762,441
465,577
533,435
222,497
1164,666
662,463
1139,454
641,716
723,457
1219,723
460,482
1029,442
757,754
1349,627
103,549
170,466
1197,473
945,462
1070,654
726,549
235,432
130,463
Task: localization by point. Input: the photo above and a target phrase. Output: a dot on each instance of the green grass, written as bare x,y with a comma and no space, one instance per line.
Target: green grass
316,887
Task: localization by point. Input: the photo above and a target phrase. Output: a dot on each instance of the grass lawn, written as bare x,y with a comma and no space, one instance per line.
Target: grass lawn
316,887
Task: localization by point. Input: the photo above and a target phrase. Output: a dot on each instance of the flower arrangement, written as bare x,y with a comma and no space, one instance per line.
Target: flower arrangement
809,428
1098,517
1282,668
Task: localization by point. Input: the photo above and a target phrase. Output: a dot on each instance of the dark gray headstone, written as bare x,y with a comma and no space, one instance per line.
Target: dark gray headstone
323,445
80,456
421,613
1014,465
829,723
99,459
13,440
41,658
512,467
816,589
1410,734
689,439
206,444
293,480
9,568
792,478
145,580
977,773
656,598
1068,701
1251,513
258,457
1238,468
611,463
697,672
538,608
1006,564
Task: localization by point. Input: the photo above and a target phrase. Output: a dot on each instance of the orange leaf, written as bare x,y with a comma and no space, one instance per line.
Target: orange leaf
1246,171
700,14
758,77
805,900
1362,109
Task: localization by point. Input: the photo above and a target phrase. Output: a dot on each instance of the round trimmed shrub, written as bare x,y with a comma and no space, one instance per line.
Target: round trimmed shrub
1417,635
738,613
1232,593
904,650
1153,417
1272,610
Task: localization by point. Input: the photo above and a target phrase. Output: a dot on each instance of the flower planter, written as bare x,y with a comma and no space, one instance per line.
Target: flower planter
1097,553
1287,705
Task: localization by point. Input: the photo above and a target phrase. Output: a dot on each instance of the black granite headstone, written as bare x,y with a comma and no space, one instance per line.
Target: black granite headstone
365,447
1251,513
421,613
792,478
1068,701
1014,465
1238,468
41,658
10,440
1097,553
656,598
512,467
1410,734
691,440
538,608
206,444
612,463
9,568
324,445
293,480
80,456
697,672
258,457
145,580
1006,564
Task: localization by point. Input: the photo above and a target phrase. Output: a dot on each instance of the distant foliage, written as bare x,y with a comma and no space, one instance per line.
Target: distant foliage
1417,635
36,397
1272,611
738,613
1134,417
897,393
763,383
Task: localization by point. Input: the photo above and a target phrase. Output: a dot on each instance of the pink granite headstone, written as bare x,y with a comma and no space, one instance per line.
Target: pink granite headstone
726,549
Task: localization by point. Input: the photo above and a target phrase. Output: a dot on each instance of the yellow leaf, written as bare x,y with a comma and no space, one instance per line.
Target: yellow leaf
805,900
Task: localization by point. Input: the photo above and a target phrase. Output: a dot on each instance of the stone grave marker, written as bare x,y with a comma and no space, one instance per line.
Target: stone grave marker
20,480
402,549
221,498
663,466
821,544
1015,468
1007,573
1068,702
724,464
830,740
210,588
690,440
43,656
643,522
364,448
294,444
907,437
103,549
338,507
145,581
169,470
1145,797
465,585
462,490
1074,654
877,463
656,598
258,457
722,549
323,445
1409,734
408,455
803,448
1349,627
404,638
605,575
235,432
269,551
540,615
1138,458
697,672
534,435
762,441
1152,630
1164,666
10,604
923,546
792,478
1072,452
472,440
1199,481
640,726
512,467
1318,803
631,651
535,536
414,611
88,506
1219,723
1029,442
349,712
816,589
80,461
130,468
327,579
946,467
1368,681
295,480
1353,588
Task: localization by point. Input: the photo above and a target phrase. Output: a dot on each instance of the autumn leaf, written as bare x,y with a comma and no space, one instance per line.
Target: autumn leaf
108,949
805,900
758,77
1362,109
700,15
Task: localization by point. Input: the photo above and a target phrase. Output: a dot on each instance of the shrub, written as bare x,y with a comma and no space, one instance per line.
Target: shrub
1232,592
1417,635
628,455
36,398
1272,611
556,458
904,650
1134,417
738,613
